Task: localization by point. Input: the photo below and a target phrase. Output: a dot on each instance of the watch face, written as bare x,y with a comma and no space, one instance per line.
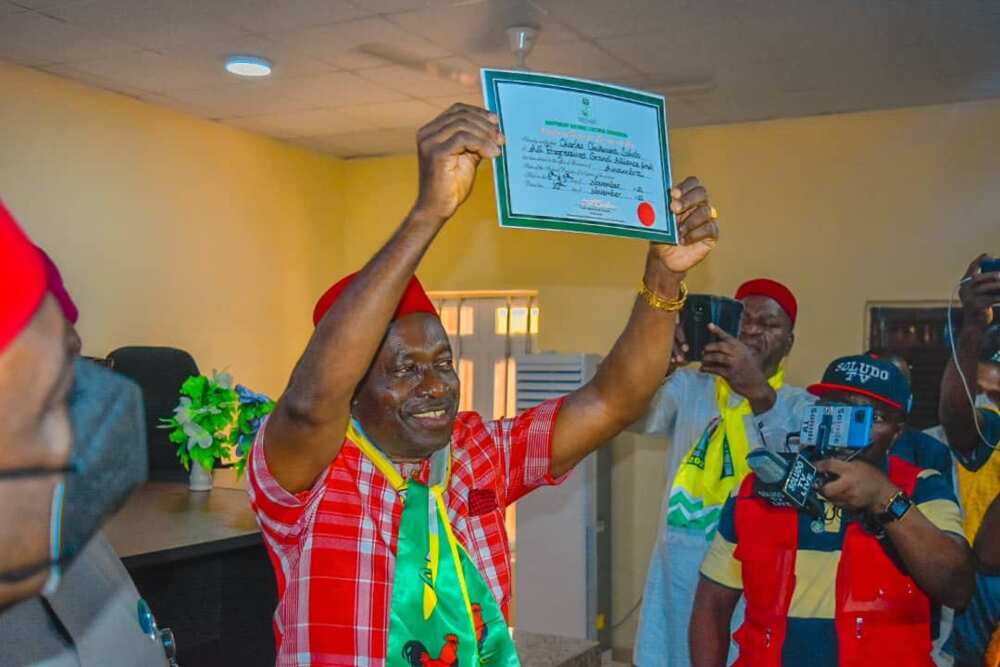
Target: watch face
899,506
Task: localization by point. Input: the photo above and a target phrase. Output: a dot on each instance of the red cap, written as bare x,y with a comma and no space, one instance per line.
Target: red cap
58,289
772,289
415,299
22,279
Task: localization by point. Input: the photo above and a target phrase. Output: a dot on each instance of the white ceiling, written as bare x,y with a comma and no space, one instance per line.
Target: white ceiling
719,61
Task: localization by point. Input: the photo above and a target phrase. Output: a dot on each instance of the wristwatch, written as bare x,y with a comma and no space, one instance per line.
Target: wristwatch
894,509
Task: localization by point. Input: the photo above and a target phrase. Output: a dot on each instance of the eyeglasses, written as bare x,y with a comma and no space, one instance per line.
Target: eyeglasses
37,471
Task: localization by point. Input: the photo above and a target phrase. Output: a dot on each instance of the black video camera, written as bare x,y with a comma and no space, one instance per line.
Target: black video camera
791,479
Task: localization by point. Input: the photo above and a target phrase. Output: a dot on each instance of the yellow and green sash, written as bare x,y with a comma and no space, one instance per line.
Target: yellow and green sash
715,464
443,612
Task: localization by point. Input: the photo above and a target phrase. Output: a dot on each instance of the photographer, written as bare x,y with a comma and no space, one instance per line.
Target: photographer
972,427
711,418
855,586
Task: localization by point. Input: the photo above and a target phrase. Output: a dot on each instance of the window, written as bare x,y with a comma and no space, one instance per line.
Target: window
487,331
918,332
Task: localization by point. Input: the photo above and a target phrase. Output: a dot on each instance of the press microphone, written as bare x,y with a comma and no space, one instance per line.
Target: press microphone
768,466
770,472
783,483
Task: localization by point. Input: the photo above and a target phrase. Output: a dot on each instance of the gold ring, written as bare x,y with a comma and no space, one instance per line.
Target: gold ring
713,212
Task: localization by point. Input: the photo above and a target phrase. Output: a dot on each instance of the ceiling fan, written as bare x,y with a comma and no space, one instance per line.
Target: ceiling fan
521,40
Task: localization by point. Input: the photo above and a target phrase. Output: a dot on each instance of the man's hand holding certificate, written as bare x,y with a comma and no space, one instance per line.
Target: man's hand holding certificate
581,156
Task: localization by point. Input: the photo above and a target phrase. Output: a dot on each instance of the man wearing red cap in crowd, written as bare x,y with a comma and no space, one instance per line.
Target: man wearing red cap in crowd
383,508
36,373
711,418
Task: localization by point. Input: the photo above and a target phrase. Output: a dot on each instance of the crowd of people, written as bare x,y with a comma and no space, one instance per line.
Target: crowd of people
382,507
736,580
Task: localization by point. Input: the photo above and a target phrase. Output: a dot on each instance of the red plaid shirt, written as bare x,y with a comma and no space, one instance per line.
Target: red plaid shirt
333,547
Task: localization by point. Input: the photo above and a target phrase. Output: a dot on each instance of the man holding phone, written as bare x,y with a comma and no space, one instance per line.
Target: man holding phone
712,417
973,432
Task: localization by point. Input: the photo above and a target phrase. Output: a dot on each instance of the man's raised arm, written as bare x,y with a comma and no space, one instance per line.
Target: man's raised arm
627,379
958,417
307,428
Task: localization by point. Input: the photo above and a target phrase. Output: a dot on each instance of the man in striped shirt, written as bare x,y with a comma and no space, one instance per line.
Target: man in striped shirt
856,586
381,507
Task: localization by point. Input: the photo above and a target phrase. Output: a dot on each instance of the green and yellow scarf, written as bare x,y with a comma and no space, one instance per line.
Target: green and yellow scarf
443,612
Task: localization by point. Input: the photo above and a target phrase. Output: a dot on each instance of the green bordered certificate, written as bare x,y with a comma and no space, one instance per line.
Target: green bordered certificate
580,156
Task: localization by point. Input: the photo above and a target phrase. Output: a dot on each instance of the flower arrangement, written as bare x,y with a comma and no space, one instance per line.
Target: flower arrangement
213,421
253,408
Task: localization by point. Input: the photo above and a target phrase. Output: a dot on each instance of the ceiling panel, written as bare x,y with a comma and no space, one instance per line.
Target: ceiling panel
10,8
94,80
33,39
288,59
480,26
155,72
597,18
152,24
681,57
314,122
233,100
422,84
44,4
395,6
339,89
579,59
263,16
338,43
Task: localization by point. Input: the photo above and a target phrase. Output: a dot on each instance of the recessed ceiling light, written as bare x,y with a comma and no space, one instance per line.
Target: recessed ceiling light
248,65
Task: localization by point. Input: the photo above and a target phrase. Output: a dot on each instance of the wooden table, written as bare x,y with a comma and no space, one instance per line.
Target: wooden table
165,521
199,561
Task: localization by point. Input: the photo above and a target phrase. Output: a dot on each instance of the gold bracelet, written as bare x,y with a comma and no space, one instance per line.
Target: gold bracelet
667,305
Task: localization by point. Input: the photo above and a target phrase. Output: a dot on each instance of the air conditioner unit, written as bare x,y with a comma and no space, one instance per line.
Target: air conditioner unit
563,543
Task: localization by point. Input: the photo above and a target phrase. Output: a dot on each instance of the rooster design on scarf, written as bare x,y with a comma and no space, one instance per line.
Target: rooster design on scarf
417,655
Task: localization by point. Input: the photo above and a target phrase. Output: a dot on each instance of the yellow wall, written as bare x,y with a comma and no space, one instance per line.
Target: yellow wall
170,230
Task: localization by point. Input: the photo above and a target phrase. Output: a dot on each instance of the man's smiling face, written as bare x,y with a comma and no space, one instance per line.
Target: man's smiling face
408,400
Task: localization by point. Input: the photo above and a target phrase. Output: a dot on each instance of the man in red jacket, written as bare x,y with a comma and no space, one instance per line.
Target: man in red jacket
856,587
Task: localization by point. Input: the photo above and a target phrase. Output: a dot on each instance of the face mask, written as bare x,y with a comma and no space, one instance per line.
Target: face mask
107,463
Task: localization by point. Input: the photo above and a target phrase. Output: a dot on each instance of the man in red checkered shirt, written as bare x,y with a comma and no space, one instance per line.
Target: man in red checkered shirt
388,543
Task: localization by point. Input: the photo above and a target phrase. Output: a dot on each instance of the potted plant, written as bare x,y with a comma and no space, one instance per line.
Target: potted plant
214,422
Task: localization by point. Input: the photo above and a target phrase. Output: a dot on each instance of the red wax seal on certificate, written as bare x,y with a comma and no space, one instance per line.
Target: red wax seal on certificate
646,214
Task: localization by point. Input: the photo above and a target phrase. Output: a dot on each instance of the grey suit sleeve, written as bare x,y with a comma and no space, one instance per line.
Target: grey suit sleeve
770,429
662,414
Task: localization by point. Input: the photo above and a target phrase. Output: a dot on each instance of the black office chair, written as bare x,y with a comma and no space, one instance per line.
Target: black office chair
160,372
